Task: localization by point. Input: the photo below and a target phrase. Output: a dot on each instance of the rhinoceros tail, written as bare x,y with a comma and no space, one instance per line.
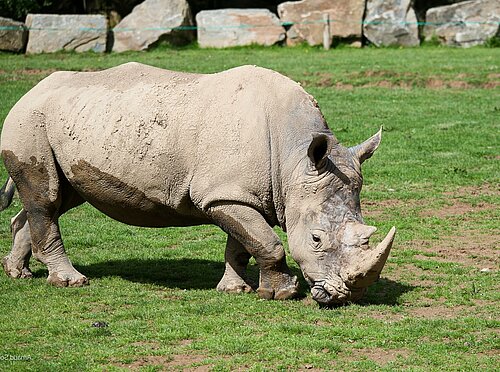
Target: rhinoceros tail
7,194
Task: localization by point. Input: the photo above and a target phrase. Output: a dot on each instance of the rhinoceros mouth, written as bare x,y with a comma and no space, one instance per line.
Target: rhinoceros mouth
326,294
335,297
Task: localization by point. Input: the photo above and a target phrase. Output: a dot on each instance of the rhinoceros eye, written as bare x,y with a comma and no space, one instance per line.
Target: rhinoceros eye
316,238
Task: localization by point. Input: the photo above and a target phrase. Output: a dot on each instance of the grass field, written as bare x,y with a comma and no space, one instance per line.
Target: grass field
435,177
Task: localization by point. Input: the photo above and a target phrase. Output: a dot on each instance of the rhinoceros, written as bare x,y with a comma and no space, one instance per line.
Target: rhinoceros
245,149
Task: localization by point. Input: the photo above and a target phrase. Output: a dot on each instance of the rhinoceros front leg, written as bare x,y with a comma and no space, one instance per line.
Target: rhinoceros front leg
16,263
236,259
247,226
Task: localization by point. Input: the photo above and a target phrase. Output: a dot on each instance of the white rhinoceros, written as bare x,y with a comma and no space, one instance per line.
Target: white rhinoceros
245,149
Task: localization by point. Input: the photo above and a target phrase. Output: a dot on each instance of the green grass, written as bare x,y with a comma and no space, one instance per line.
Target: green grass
435,177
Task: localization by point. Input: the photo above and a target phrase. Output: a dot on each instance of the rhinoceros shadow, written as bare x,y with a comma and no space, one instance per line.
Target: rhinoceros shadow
192,273
183,273
385,292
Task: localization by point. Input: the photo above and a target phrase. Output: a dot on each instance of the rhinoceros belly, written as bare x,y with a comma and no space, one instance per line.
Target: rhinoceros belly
127,203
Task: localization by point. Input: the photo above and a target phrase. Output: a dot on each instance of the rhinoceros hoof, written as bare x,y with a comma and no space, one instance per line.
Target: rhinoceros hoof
15,271
67,280
234,287
26,273
287,291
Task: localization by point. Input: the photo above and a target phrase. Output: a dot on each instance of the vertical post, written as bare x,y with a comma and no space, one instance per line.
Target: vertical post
326,31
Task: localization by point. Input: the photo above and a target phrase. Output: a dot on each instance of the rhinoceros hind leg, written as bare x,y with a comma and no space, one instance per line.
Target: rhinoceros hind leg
247,226
45,195
61,270
236,258
16,263
52,253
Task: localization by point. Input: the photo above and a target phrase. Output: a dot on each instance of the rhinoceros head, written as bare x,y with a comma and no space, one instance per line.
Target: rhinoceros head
326,233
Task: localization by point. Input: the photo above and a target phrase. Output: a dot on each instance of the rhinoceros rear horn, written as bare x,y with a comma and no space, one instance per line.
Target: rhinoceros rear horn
319,149
366,149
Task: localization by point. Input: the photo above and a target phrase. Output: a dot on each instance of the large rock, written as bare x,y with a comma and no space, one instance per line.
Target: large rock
13,35
464,24
51,32
391,22
237,27
151,20
346,18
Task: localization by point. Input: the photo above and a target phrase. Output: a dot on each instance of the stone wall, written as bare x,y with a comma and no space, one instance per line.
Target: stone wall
378,22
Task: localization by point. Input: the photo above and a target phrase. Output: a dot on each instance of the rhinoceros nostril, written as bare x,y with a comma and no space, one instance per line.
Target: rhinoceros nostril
319,294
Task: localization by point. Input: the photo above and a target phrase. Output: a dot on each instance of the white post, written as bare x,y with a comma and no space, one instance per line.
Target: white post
326,31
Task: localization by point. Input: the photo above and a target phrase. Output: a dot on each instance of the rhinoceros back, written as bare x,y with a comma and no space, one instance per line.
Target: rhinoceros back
160,143
153,147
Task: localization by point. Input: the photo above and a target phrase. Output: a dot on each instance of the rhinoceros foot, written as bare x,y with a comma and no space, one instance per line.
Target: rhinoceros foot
234,285
16,270
278,286
67,279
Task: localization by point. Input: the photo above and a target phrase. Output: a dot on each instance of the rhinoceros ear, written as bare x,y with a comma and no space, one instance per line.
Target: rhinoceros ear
366,149
319,149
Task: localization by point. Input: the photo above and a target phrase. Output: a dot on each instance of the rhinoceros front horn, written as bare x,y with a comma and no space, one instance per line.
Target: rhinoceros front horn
368,265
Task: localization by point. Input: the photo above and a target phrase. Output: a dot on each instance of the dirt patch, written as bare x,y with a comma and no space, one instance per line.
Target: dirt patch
474,248
34,71
386,317
436,312
486,189
404,80
457,208
379,355
168,363
377,208
344,86
477,249
150,345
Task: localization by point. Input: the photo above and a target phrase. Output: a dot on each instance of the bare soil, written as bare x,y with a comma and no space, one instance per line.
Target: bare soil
182,362
457,208
407,80
436,311
474,248
379,355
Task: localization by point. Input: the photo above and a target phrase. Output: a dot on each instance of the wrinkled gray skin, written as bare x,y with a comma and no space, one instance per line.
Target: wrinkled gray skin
245,149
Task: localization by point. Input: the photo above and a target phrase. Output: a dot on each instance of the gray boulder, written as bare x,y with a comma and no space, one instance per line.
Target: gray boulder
391,22
50,33
152,20
345,19
224,28
464,24
13,35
